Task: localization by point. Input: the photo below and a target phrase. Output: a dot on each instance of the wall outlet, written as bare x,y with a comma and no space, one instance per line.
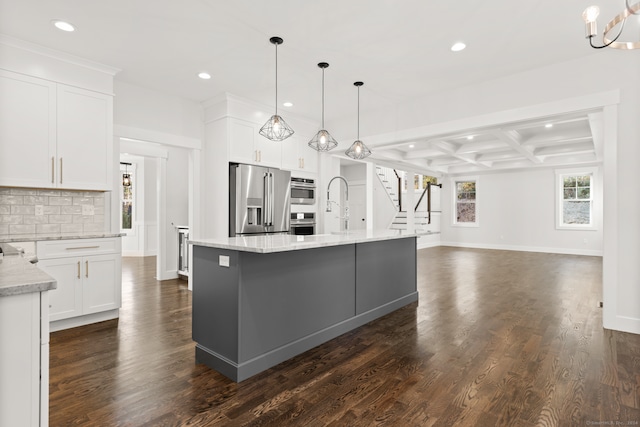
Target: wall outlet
39,210
223,260
87,210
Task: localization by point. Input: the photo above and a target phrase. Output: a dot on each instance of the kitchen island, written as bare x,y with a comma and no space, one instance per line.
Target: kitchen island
260,300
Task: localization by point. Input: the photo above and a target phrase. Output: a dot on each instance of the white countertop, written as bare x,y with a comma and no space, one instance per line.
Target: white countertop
19,276
37,237
286,242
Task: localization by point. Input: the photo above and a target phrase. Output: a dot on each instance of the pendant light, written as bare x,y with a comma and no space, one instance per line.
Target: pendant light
358,150
276,129
590,15
126,177
323,141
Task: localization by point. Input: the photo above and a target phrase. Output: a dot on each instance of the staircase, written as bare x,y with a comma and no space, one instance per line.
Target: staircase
390,183
421,221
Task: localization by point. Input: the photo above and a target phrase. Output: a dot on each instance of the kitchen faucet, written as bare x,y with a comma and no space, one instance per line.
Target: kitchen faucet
346,207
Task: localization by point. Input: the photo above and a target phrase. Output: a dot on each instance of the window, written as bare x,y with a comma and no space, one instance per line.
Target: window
466,209
127,199
575,199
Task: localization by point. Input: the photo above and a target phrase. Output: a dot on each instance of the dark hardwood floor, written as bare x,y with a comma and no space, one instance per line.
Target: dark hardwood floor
498,339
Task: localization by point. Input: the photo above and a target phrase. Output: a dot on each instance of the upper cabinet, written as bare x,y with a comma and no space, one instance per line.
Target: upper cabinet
298,156
84,138
53,135
27,131
246,145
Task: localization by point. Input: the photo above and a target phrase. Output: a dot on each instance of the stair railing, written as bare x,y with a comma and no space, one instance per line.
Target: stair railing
427,191
399,190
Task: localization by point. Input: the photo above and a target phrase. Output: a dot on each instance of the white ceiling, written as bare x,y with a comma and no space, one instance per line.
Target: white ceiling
400,49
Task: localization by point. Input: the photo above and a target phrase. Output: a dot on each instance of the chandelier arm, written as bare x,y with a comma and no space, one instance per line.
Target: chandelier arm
629,8
612,41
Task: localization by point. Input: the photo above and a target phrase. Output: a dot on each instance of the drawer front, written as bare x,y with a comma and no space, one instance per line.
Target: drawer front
77,247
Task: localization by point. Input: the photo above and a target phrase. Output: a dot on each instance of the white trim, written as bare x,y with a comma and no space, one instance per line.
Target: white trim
564,251
595,101
144,135
59,55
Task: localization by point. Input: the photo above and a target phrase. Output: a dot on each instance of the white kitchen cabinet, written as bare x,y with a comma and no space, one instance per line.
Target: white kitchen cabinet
27,131
84,144
54,135
298,156
89,276
246,145
24,360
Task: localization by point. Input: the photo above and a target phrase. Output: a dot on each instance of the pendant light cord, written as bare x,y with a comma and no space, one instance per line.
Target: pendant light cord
276,78
323,98
358,132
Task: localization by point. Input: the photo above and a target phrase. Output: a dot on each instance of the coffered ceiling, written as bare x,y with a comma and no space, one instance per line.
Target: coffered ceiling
400,49
554,141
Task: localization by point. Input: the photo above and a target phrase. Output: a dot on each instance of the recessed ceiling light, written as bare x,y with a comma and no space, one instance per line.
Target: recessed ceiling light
548,125
287,104
204,76
63,25
470,137
411,145
457,47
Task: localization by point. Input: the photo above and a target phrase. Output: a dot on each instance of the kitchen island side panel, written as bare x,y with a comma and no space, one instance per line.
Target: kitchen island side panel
286,296
215,301
385,271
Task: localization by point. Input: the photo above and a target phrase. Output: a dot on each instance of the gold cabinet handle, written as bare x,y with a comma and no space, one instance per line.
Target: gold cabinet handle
86,269
53,170
60,170
78,269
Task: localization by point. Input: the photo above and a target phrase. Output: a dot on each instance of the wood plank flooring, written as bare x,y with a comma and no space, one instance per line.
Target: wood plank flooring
498,339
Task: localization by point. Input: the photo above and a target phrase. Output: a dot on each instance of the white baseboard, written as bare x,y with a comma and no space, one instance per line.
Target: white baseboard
563,251
73,322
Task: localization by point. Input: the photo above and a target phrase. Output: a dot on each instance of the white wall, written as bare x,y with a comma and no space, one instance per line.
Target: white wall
517,211
172,127
556,86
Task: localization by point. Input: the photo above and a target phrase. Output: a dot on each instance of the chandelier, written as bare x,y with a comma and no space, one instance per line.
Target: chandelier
590,15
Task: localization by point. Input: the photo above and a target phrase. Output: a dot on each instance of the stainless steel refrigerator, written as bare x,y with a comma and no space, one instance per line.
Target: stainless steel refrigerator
259,200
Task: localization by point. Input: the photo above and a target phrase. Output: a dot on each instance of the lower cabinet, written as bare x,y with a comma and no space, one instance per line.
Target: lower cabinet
89,276
24,360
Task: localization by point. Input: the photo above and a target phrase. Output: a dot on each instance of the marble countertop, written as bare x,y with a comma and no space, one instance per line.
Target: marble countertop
6,238
286,242
19,276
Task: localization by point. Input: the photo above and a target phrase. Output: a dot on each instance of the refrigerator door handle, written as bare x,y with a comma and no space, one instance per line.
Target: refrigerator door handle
271,195
265,200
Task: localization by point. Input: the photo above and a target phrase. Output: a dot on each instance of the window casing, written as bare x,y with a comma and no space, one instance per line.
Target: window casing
465,201
575,190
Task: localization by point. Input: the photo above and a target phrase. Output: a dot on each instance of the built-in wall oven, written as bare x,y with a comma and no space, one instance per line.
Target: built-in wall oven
303,191
303,223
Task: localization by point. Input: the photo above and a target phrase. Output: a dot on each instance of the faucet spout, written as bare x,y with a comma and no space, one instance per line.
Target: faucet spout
346,208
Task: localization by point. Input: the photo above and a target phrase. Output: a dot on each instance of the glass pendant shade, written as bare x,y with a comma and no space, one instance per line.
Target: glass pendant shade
323,141
276,129
358,150
126,180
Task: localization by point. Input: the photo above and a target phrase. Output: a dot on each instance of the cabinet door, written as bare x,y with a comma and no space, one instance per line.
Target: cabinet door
241,142
66,299
27,131
84,142
102,278
309,158
20,360
290,158
269,152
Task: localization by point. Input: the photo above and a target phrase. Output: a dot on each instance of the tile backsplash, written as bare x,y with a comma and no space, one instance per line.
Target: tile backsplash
29,211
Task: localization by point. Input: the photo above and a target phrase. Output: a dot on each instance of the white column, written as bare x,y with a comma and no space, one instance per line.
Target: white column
409,202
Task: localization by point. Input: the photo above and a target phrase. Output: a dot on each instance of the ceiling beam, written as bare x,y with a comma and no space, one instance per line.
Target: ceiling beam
596,123
514,140
451,149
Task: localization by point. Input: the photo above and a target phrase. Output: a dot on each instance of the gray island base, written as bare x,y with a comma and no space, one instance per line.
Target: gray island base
280,296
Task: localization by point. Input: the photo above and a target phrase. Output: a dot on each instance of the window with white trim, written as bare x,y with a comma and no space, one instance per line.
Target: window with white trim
575,191
465,199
